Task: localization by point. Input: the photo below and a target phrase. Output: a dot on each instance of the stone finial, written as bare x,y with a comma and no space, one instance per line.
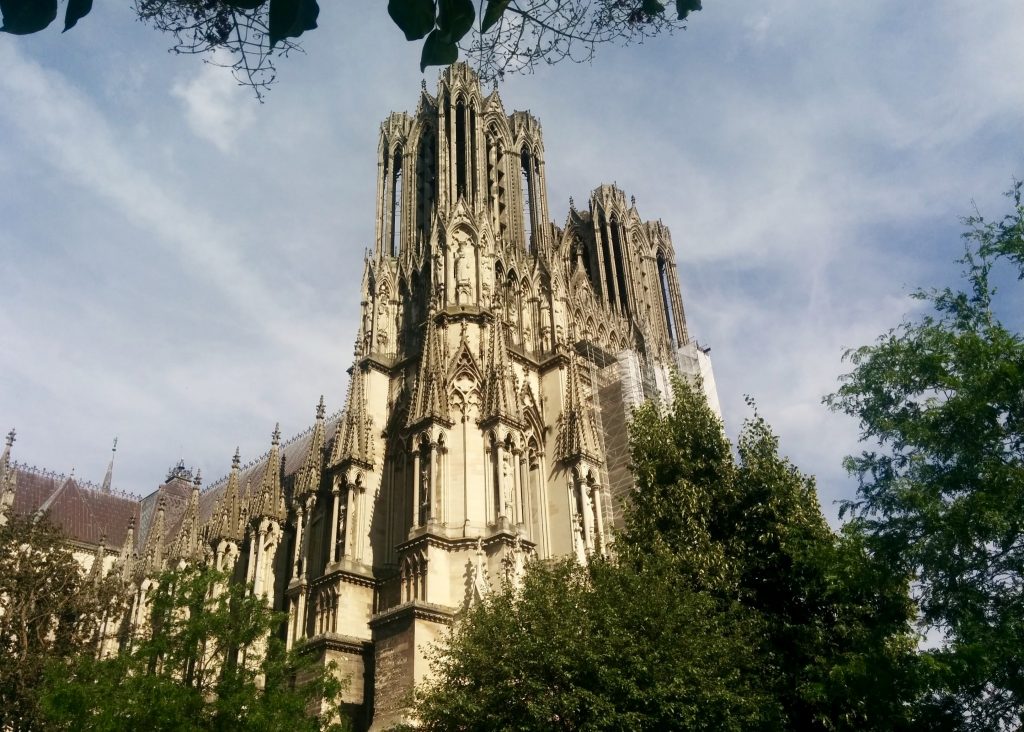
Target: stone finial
236,461
10,437
632,201
320,408
198,480
275,439
572,204
423,84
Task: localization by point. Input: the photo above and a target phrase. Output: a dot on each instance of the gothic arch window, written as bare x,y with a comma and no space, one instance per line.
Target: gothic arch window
395,212
666,298
461,149
620,262
426,184
529,205
496,183
609,281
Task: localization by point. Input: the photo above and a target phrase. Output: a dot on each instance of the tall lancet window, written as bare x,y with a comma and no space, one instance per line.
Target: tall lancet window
666,298
620,265
396,202
529,215
425,182
461,146
606,252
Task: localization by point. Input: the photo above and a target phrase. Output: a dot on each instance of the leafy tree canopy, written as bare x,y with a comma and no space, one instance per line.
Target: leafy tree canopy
730,605
48,609
941,497
207,659
498,36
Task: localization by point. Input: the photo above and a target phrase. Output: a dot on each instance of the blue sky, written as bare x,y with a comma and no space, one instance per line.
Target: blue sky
180,264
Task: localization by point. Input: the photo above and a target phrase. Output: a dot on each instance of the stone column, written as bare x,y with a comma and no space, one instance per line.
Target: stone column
416,488
595,491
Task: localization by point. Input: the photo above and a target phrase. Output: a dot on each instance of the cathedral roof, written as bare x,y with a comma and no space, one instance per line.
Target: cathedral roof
81,509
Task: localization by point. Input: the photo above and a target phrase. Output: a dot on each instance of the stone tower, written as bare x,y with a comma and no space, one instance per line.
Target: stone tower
496,364
497,358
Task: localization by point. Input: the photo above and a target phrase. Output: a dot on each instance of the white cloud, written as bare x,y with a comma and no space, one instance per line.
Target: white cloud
186,294
217,108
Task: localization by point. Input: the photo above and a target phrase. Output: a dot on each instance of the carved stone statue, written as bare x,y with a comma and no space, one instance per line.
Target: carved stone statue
462,260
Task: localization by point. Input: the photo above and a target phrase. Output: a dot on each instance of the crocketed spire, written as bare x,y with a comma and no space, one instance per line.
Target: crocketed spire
186,543
228,521
354,438
8,478
308,479
153,553
577,432
109,477
500,400
430,400
269,503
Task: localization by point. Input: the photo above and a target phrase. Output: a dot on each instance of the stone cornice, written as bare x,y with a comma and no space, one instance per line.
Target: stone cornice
414,610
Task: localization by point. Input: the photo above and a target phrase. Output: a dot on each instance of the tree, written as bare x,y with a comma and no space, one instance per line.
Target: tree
49,609
835,648
730,604
208,659
595,648
941,497
500,37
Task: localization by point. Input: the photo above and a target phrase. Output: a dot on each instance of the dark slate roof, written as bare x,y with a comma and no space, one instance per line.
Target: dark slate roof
293,455
84,512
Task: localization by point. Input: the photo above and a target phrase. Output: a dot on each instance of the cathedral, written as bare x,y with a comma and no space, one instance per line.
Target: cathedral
497,360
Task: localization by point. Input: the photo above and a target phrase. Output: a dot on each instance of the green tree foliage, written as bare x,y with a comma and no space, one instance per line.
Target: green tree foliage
595,648
48,609
208,660
730,605
498,36
942,496
835,648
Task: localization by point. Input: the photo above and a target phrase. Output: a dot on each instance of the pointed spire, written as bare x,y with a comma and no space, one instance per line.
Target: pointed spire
186,544
5,458
354,438
96,570
127,557
430,400
500,394
229,520
308,478
577,432
269,503
8,478
108,478
154,551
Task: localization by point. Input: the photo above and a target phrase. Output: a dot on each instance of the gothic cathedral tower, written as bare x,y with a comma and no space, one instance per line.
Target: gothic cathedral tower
497,359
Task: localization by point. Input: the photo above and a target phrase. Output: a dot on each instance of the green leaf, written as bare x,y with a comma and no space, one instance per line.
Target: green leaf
76,10
244,4
22,17
414,17
290,18
495,9
455,19
652,7
437,51
685,7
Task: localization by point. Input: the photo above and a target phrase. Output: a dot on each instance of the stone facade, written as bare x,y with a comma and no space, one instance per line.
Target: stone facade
496,363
